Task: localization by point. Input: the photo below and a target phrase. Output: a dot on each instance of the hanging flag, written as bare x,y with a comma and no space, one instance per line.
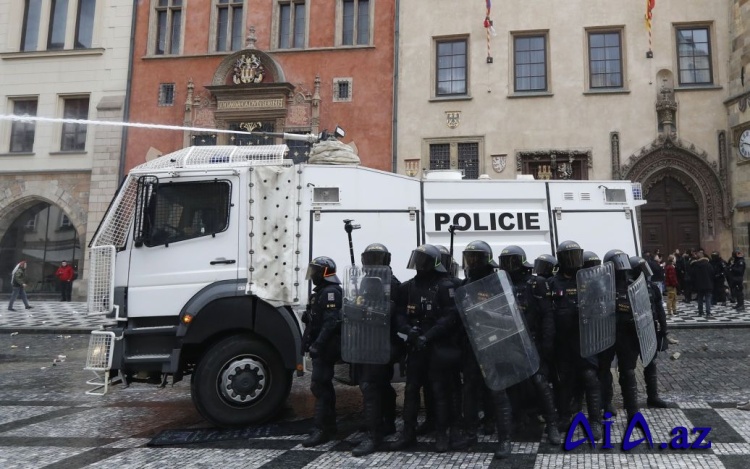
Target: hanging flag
650,4
490,29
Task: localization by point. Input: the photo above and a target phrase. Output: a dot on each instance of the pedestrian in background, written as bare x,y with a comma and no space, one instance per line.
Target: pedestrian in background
18,281
65,275
736,277
720,267
671,283
683,270
703,282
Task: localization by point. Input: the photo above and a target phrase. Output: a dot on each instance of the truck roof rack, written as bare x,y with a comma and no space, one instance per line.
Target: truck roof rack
218,155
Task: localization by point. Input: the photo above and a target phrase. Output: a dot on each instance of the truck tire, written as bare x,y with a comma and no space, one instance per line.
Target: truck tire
240,381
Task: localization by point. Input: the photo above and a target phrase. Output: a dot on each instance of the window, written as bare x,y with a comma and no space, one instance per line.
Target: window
65,223
229,25
299,151
166,94
181,211
694,56
451,68
342,89
605,59
356,22
58,18
530,63
22,133
85,24
31,24
168,26
292,25
203,139
252,139
461,153
74,135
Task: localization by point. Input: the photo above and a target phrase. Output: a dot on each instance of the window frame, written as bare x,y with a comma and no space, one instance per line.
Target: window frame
711,56
544,34
71,128
23,127
25,33
437,41
232,6
162,98
341,19
580,160
453,144
69,26
293,24
156,26
337,82
622,59
77,32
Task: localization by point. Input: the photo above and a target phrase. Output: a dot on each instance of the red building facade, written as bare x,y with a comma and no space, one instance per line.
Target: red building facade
295,66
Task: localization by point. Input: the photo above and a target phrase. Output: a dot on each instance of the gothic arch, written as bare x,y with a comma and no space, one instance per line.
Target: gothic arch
668,157
225,70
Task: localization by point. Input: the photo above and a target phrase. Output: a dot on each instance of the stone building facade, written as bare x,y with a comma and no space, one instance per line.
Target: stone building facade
578,90
58,60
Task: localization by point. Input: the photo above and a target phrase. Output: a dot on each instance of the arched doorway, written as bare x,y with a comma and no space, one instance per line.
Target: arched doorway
44,236
670,219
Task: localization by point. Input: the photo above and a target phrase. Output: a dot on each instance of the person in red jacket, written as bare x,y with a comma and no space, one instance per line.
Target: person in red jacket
65,274
671,282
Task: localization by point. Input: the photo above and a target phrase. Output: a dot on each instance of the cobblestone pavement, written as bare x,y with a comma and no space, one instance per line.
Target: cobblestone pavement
58,317
46,420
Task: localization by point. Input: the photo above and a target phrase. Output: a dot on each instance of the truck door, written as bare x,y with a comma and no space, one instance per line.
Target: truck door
186,237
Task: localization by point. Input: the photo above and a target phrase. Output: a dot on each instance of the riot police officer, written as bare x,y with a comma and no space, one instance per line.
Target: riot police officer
736,277
570,365
626,347
378,396
322,340
533,297
720,268
478,263
426,313
640,266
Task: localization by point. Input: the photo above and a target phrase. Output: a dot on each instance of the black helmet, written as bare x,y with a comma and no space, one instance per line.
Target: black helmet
477,254
322,269
590,259
513,259
544,265
715,256
376,254
737,252
618,258
570,255
445,258
426,258
639,265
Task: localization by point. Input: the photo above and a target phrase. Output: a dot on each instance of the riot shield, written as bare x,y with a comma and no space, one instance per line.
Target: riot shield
596,308
640,302
497,332
366,321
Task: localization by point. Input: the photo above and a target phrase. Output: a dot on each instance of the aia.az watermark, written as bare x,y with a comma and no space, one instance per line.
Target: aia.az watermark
680,437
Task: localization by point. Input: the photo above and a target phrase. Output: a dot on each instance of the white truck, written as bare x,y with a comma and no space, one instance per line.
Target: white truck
202,254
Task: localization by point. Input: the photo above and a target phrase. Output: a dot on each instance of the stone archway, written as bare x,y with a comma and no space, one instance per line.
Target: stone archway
669,157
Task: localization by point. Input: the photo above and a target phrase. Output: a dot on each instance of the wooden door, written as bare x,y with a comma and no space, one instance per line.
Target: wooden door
669,220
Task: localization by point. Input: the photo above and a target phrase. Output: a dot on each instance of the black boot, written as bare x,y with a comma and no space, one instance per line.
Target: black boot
652,390
548,406
317,437
503,417
442,442
605,384
406,439
593,402
425,427
629,387
367,446
464,440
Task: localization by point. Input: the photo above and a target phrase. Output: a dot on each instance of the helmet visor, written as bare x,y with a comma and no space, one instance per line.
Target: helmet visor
592,263
313,271
646,269
621,261
543,268
420,260
374,258
474,259
572,259
511,263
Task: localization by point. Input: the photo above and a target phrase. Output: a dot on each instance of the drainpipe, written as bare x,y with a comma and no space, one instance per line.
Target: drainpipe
394,126
126,108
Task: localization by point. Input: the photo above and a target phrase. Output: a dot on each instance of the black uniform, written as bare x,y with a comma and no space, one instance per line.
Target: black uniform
378,396
425,307
736,277
660,324
569,363
324,336
720,268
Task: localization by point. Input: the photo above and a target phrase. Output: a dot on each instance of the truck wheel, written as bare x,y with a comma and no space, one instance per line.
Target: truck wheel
240,381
